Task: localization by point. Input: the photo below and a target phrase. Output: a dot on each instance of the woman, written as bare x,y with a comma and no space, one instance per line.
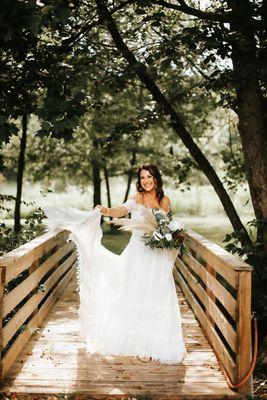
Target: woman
128,302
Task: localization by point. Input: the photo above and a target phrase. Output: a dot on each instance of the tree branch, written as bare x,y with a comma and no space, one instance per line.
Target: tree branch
70,41
185,8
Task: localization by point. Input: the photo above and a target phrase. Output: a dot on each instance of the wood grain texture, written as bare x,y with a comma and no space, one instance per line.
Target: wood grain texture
244,328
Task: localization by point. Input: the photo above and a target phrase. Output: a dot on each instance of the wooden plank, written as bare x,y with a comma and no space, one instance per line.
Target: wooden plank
51,337
1,315
203,390
142,374
35,322
21,258
212,309
46,359
28,308
222,294
244,330
215,341
21,291
59,348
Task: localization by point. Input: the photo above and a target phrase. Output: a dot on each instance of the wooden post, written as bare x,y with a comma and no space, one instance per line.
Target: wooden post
1,320
244,329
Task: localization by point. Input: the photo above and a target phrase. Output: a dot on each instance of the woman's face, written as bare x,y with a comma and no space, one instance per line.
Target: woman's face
147,180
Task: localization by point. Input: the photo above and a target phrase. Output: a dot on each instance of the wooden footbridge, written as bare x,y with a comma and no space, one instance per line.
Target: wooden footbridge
43,353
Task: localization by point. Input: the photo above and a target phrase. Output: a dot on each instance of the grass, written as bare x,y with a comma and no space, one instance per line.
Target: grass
114,240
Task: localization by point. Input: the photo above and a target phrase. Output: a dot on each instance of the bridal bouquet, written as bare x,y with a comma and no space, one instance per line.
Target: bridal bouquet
160,229
169,232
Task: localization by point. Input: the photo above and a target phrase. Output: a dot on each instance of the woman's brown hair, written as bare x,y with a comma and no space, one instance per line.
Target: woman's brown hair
154,171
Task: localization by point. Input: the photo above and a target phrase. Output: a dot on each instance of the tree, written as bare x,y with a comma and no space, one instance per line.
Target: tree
35,73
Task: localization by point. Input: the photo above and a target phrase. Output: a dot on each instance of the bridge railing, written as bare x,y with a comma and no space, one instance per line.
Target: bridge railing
217,286
32,278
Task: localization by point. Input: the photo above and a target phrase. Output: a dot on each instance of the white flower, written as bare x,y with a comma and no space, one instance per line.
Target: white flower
168,236
157,235
175,224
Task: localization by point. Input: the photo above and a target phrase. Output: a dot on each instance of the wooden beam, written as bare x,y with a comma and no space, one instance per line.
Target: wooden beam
244,329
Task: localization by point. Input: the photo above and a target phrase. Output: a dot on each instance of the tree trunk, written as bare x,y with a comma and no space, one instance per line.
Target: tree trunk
250,110
175,122
106,175
96,176
130,175
21,163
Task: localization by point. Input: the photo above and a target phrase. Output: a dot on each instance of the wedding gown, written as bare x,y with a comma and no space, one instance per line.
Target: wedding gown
128,302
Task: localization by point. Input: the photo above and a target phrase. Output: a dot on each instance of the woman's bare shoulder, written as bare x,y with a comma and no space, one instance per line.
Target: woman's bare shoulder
166,200
165,203
137,197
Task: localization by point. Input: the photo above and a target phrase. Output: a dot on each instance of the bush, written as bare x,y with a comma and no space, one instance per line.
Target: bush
33,227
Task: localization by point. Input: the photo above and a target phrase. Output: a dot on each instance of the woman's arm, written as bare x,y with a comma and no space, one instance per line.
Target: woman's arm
120,211
115,212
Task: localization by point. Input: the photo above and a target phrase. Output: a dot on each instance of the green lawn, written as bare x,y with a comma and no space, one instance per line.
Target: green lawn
114,240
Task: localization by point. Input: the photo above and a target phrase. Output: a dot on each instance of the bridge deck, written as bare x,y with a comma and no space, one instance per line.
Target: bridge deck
55,362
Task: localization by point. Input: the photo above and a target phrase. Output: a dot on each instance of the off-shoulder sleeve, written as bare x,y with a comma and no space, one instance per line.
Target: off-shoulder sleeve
130,204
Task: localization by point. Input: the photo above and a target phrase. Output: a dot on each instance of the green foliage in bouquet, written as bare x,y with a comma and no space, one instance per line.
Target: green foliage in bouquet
169,233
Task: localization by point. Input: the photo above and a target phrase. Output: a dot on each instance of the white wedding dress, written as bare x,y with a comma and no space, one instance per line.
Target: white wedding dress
128,302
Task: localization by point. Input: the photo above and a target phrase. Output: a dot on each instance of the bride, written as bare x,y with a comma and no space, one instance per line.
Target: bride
128,302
